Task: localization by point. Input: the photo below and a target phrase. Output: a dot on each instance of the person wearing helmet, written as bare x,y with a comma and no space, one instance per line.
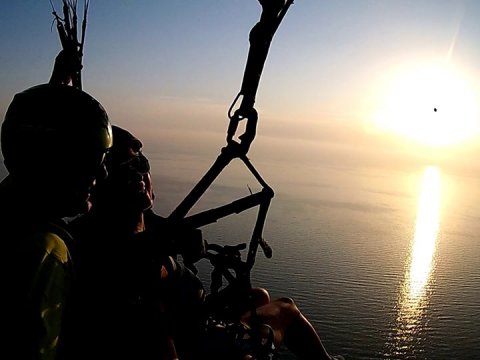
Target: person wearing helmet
147,304
53,139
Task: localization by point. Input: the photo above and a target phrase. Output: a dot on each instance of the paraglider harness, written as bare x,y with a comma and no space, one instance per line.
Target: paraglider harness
225,303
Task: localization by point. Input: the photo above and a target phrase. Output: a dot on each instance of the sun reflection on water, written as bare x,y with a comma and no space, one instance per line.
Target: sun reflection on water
414,294
426,230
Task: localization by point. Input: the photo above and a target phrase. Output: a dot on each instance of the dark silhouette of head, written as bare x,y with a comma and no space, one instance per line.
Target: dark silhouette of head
54,139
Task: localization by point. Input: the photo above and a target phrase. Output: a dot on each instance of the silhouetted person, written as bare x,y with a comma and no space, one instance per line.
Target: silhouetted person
143,304
54,140
118,308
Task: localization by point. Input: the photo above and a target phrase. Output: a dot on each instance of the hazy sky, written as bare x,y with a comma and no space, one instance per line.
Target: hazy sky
168,71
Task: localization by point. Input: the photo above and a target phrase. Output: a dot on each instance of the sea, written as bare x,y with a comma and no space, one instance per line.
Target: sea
384,264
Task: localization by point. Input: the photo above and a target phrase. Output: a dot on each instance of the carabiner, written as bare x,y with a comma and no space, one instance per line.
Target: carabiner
251,116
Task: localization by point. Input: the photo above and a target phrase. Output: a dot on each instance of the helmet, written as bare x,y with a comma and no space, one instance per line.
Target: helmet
53,125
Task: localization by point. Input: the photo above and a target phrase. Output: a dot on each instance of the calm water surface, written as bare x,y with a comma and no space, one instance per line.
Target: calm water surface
384,264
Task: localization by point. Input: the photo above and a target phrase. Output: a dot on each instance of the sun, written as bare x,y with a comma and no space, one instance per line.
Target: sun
430,105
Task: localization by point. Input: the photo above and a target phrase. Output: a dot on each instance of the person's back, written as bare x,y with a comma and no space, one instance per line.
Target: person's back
109,316
39,270
53,141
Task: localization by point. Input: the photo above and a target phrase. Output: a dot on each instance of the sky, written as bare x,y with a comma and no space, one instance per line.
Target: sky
351,82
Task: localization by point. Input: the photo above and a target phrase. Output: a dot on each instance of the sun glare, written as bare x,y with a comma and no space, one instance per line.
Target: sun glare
430,105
